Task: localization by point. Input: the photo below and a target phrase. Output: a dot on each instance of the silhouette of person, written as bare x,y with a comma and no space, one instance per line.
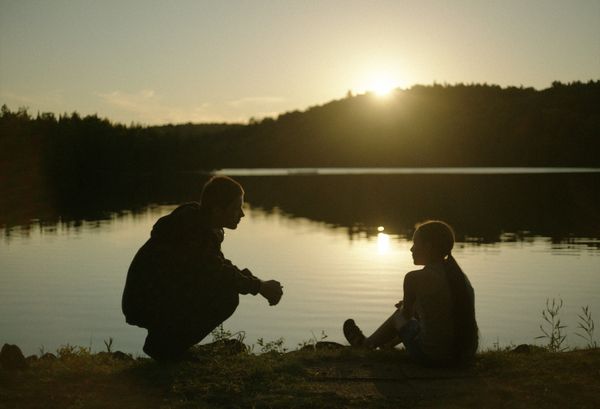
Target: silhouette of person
436,320
179,285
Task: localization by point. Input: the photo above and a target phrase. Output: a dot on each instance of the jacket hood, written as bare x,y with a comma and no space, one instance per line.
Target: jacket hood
184,223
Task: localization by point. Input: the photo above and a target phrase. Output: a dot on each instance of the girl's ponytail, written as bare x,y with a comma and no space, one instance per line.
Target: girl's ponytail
466,334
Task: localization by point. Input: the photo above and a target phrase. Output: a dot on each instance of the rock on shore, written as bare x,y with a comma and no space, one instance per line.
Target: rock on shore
11,357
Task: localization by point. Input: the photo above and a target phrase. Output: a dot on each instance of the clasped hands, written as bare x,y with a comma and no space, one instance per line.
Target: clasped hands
272,290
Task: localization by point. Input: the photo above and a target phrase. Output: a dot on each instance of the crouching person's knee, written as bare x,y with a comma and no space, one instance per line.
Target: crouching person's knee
220,308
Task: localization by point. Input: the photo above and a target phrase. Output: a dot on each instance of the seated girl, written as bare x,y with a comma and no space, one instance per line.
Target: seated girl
436,320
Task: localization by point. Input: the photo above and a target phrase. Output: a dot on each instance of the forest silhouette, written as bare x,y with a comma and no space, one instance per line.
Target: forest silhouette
438,125
82,166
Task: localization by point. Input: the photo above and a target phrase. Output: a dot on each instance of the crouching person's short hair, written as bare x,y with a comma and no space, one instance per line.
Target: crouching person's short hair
220,192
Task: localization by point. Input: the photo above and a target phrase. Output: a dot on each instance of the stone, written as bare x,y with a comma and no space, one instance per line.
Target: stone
223,347
522,349
323,346
11,357
122,356
31,358
328,345
48,356
117,355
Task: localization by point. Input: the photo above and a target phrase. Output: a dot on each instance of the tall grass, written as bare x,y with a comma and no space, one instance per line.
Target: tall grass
554,331
586,324
551,328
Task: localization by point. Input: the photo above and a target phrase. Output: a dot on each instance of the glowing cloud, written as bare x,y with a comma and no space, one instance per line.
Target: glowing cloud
149,108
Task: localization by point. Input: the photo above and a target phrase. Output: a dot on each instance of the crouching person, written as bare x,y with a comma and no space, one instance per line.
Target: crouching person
179,285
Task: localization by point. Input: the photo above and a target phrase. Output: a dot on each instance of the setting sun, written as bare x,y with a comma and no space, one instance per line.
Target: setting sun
382,86
380,83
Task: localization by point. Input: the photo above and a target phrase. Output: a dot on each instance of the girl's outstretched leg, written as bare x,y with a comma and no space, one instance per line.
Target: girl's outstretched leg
387,333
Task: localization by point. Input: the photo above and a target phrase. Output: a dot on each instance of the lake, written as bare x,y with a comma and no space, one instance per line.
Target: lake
338,241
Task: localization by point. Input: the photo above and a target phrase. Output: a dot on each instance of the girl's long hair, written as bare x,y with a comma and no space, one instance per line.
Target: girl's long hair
466,334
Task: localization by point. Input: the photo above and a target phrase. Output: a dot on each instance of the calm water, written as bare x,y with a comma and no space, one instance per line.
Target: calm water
522,239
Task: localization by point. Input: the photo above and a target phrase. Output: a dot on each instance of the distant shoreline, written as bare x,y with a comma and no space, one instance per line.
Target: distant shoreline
400,171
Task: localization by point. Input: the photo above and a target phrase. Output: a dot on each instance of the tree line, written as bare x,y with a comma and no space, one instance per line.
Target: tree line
437,125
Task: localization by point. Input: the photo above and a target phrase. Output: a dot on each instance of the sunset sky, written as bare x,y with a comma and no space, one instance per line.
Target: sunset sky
155,62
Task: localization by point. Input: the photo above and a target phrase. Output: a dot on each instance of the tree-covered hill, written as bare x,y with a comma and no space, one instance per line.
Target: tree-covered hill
460,125
438,125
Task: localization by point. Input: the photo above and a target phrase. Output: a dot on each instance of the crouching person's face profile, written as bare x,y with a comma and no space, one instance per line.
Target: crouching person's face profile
230,216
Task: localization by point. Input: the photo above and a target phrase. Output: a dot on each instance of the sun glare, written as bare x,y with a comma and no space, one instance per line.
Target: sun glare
382,87
379,81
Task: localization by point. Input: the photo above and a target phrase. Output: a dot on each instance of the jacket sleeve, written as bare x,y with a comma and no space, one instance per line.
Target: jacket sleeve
229,274
243,280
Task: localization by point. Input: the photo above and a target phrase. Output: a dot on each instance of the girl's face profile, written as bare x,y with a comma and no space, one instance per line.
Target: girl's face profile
421,250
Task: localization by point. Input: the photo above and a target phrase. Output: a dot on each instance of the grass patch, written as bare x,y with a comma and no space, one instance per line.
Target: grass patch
304,379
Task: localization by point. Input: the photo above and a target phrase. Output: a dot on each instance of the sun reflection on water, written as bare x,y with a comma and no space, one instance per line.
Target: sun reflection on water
383,243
